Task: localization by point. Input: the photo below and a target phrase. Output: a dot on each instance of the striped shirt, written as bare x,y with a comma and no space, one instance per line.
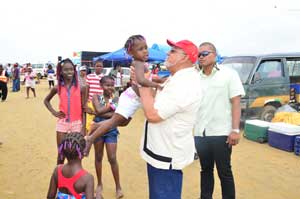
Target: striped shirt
94,85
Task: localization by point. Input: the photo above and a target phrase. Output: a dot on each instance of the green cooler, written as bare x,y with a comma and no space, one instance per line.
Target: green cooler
256,130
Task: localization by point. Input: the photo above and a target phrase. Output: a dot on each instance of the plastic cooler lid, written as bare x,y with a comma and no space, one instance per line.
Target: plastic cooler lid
260,123
284,128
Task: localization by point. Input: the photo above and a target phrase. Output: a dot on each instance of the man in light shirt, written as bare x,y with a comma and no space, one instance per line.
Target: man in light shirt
217,128
168,144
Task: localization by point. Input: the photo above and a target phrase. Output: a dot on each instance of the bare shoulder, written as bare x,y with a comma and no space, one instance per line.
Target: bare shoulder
88,178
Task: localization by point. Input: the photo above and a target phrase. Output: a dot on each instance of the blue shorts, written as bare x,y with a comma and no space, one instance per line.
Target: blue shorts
111,137
163,183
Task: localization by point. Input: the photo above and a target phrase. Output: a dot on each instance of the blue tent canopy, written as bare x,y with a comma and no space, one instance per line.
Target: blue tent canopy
121,56
161,47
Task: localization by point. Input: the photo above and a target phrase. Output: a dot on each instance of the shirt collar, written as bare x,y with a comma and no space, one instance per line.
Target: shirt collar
178,73
215,69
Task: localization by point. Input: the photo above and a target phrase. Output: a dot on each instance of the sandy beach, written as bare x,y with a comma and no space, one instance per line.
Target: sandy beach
28,157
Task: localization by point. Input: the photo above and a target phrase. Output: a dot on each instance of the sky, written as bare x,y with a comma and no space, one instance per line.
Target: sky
40,30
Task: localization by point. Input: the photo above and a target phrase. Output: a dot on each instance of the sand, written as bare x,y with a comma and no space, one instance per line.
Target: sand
28,157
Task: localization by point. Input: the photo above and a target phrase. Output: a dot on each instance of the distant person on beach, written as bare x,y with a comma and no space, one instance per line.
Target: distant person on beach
156,69
9,70
29,81
71,102
82,76
93,87
104,106
4,77
16,78
116,73
71,180
217,128
129,100
50,76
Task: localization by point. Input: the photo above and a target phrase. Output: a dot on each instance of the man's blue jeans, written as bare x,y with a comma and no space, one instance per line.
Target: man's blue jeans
164,183
16,85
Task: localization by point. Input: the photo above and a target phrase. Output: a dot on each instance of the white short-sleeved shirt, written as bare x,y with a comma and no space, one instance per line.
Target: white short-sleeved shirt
214,114
171,142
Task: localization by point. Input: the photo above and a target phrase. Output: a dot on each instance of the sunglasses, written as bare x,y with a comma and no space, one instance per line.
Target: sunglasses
204,53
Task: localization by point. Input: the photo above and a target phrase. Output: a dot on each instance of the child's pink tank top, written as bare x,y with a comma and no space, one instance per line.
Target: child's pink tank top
70,103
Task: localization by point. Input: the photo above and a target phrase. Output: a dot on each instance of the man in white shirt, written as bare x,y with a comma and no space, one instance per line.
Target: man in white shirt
168,144
217,128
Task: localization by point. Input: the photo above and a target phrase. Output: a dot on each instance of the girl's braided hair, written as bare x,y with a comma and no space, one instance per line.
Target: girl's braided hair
72,146
130,41
105,78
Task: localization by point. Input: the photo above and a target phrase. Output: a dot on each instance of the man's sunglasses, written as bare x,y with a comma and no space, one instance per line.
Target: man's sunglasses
204,53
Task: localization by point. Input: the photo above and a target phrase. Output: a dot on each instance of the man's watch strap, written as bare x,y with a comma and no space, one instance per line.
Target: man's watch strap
235,130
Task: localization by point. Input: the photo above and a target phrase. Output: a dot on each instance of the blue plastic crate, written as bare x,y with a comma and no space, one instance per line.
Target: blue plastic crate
282,136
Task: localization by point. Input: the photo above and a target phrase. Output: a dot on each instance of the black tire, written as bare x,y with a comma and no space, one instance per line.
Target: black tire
268,113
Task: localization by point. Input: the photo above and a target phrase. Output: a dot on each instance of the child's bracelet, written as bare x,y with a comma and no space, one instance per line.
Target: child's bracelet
112,106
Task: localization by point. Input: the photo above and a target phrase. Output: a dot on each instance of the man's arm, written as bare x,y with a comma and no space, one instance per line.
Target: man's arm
233,138
236,112
147,100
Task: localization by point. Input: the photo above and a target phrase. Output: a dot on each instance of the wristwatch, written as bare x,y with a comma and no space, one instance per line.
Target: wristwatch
235,130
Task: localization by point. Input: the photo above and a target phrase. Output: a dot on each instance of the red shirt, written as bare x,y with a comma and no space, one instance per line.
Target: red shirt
68,183
70,103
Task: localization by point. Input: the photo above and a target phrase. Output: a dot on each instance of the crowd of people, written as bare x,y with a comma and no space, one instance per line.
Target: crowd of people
182,114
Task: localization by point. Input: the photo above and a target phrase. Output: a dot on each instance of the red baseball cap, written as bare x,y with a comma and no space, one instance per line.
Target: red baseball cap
188,47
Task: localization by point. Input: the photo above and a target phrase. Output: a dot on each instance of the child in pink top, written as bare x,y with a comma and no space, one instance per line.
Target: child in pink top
71,102
129,100
29,81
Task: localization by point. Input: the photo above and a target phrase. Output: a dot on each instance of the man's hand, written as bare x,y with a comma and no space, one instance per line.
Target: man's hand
233,138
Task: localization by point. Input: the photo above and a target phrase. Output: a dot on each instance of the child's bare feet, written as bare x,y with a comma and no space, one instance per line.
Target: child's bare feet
99,192
119,194
88,145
